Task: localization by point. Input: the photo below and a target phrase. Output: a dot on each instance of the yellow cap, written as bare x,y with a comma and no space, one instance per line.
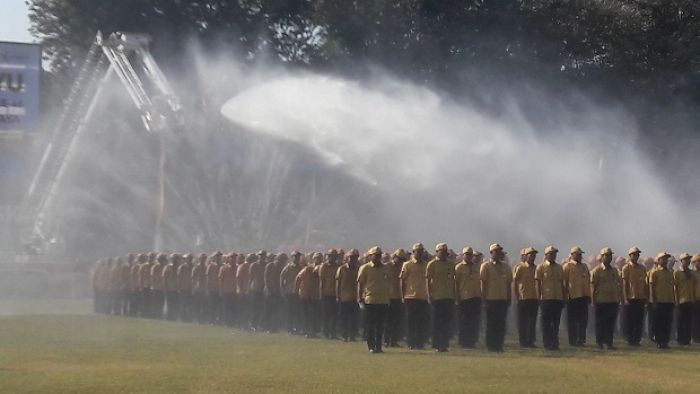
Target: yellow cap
440,246
550,249
529,250
684,256
695,258
634,250
374,250
251,257
576,249
662,255
417,245
495,246
400,253
606,250
332,251
467,250
296,253
353,252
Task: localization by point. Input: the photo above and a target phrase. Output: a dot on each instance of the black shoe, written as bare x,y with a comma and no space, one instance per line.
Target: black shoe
378,350
611,347
663,346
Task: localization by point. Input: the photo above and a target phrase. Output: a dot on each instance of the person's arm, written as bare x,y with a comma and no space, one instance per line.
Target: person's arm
456,287
338,279
402,285
652,289
428,283
360,286
593,288
676,290
483,278
563,286
516,280
538,285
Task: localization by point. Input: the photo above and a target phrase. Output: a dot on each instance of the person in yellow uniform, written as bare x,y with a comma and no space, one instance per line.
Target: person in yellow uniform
415,296
291,299
684,282
306,286
327,291
212,288
136,281
578,294
273,292
129,304
696,302
158,286
468,297
634,296
373,287
549,278
346,295
662,298
199,289
256,290
496,278
393,332
227,289
116,280
526,295
170,286
606,288
440,283
184,287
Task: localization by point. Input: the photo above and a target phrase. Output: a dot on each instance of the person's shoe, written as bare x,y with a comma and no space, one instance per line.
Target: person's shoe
371,351
664,346
378,350
611,347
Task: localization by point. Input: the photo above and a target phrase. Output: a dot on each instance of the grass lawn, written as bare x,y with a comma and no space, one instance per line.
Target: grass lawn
90,353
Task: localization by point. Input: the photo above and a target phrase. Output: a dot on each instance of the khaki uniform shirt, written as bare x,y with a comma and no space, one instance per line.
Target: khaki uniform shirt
115,279
441,275
170,277
468,282
496,278
307,283
524,280
199,279
684,282
287,277
394,275
551,278
257,277
347,280
127,284
696,277
376,282
607,284
145,276
577,279
326,277
243,278
212,275
272,279
135,278
662,282
157,282
635,281
227,279
413,276
184,277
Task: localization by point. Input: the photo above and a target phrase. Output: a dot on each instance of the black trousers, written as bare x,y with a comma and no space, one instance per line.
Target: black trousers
394,323
213,308
310,316
551,317
684,323
605,318
442,322
173,305
229,303
418,319
272,312
243,310
329,314
577,320
157,303
256,308
696,321
293,313
133,302
496,312
634,321
469,321
375,315
527,321
349,318
199,307
663,317
186,305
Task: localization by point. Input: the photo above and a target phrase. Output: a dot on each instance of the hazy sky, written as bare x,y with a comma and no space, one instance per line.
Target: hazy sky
15,22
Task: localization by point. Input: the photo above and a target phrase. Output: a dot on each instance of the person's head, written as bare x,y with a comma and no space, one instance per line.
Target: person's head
317,258
468,254
332,257
497,253
550,254
152,257
251,258
418,252
442,251
375,255
353,257
282,259
576,254
685,260
478,257
634,254
296,257
141,258
188,258
662,259
696,262
175,259
202,258
529,255
606,256
162,258
399,256
130,258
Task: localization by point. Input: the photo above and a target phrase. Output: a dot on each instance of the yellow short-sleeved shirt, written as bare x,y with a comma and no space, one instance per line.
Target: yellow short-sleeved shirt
607,283
157,282
496,278
326,276
551,278
287,278
413,276
661,280
685,284
696,277
524,280
577,279
441,275
468,283
347,279
376,283
634,277
184,277
395,273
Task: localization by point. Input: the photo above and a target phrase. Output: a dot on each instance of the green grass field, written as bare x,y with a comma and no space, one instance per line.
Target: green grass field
80,352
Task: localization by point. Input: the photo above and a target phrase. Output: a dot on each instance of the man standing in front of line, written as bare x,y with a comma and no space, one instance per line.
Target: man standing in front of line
526,294
440,283
496,278
415,297
549,277
662,297
634,297
606,290
578,294
373,285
